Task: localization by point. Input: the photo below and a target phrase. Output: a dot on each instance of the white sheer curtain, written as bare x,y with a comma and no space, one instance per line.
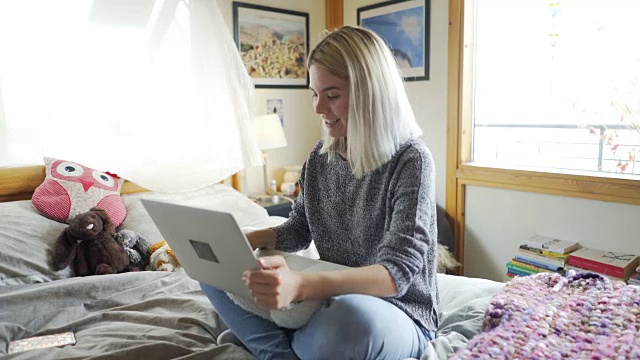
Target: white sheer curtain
152,90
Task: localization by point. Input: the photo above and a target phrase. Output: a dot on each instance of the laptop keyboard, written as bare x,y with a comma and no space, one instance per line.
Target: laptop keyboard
303,264
299,263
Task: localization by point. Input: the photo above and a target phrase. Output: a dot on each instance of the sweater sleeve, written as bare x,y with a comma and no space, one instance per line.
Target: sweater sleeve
409,240
294,235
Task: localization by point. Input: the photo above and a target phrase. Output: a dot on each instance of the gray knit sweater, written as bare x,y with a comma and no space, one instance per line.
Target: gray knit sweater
387,217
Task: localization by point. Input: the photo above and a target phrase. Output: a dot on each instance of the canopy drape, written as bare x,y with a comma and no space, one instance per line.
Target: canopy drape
154,91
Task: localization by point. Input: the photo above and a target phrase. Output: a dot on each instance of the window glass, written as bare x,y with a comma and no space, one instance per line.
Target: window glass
557,84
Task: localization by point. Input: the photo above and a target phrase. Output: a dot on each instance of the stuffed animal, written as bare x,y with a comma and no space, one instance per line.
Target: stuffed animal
89,243
445,260
136,247
162,258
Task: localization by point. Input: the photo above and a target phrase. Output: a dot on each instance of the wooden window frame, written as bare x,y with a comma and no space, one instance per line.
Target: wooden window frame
461,171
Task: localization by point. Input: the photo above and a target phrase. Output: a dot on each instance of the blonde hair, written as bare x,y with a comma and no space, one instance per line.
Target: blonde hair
380,116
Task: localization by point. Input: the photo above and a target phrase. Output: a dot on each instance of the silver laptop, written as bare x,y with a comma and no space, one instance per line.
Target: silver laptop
211,247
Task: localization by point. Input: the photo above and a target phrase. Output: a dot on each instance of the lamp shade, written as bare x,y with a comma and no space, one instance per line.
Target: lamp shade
269,132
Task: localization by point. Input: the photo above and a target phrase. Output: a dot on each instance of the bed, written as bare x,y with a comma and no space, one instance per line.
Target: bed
151,314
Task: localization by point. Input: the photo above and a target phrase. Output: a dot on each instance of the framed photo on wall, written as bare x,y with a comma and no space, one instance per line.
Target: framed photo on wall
404,25
273,44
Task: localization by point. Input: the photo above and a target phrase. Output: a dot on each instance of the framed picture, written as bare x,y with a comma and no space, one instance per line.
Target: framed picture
404,25
273,44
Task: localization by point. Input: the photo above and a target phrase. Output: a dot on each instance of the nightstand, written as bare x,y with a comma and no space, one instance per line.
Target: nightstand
276,205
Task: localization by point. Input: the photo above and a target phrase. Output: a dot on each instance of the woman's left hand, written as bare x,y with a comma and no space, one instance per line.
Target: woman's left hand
275,286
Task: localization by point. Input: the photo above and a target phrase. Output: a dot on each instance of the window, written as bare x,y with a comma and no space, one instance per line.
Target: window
531,106
556,85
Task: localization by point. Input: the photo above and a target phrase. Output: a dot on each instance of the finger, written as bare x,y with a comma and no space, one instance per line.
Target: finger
262,276
262,290
272,262
270,277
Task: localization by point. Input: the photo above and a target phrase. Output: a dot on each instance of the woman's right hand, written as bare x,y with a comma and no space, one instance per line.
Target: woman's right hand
275,286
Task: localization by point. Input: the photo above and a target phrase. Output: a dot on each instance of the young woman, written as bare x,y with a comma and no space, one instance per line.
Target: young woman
368,201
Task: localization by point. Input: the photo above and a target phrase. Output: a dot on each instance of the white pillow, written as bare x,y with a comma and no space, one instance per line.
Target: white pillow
220,197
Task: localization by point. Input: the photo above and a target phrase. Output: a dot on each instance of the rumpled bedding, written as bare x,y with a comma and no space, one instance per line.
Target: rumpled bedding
139,315
156,315
164,315
463,301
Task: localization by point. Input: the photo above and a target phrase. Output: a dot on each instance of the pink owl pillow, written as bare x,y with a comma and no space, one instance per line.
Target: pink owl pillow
70,189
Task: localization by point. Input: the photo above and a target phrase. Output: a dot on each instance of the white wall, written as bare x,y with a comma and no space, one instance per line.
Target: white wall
302,128
497,221
301,124
428,97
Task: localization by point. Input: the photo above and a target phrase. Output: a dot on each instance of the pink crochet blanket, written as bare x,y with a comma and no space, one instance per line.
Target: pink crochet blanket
548,316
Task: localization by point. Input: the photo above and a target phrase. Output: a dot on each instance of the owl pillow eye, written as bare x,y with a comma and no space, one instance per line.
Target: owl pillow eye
71,169
103,178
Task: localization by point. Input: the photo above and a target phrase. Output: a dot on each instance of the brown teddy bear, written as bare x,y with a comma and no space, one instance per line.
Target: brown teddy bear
89,243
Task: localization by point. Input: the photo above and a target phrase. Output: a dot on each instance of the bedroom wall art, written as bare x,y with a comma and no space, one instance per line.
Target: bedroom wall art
273,44
276,106
405,27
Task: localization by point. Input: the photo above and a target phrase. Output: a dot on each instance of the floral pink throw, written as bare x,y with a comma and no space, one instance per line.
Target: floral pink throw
548,316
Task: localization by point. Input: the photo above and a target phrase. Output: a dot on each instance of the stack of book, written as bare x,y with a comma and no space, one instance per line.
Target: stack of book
613,265
539,254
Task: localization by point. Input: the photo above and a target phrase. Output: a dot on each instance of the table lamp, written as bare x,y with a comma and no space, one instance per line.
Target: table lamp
269,135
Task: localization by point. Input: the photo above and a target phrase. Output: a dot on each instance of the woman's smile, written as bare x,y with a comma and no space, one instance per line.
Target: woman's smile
330,100
330,123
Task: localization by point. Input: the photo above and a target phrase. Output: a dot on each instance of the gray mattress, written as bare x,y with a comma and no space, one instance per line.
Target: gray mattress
150,314
144,315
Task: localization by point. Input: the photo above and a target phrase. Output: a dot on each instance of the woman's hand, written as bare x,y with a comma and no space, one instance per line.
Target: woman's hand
275,286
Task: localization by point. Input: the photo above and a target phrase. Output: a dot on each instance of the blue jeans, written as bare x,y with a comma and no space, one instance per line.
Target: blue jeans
349,327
